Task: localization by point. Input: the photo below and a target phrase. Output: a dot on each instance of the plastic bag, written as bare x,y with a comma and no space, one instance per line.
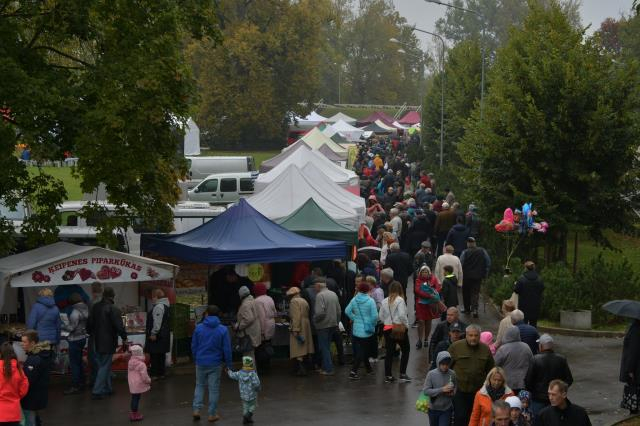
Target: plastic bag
423,403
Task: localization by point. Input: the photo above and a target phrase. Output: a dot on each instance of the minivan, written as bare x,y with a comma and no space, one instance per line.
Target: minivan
223,188
201,167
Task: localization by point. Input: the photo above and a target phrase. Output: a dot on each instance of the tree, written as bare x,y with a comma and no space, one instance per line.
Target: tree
108,81
559,130
268,63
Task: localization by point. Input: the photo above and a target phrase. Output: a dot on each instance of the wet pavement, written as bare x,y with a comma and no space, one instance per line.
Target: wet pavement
315,400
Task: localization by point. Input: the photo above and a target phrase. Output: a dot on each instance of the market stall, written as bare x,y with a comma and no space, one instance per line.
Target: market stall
65,268
315,139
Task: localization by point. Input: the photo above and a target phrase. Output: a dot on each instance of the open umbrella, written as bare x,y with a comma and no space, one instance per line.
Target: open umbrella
371,251
623,308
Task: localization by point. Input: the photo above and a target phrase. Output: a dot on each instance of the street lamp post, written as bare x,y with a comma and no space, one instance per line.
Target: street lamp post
475,12
393,40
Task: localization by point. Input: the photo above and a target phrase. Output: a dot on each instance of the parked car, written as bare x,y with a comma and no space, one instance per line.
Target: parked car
223,188
201,167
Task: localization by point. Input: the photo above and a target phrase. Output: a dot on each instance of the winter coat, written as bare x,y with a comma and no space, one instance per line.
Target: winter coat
137,375
471,363
11,391
423,258
299,317
248,382
529,335
266,314
435,381
45,319
546,366
505,324
421,231
327,310
481,413
451,260
529,288
474,223
402,266
630,362
249,322
211,344
449,292
362,311
444,222
36,367
515,357
77,326
159,325
572,415
476,263
427,291
105,325
457,237
397,314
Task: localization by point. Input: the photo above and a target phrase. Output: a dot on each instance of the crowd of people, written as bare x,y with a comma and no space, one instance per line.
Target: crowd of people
416,240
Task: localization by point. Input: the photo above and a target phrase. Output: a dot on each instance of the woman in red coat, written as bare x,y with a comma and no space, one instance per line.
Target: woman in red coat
427,293
13,386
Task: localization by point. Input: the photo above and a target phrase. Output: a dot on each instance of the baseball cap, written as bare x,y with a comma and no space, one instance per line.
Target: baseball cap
455,327
514,402
471,240
426,244
545,339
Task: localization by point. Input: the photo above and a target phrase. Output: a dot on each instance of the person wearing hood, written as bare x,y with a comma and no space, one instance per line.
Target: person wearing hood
440,385
45,317
457,236
249,384
211,349
77,339
158,337
36,367
529,289
248,320
517,418
139,380
473,221
455,334
495,388
105,325
363,313
266,309
515,357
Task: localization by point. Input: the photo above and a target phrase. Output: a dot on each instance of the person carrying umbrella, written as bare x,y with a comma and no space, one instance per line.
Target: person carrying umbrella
630,363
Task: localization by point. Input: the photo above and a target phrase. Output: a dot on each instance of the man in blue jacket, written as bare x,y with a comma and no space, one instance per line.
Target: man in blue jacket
211,348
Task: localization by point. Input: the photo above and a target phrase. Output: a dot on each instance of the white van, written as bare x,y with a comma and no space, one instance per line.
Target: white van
223,188
201,167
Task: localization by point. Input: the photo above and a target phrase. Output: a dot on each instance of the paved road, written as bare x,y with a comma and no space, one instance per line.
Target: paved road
315,400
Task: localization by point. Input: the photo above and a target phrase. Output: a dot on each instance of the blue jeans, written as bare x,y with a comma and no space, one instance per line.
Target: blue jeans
207,377
439,417
102,386
324,342
75,362
29,417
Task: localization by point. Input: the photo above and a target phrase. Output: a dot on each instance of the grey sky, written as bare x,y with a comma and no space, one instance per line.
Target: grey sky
424,15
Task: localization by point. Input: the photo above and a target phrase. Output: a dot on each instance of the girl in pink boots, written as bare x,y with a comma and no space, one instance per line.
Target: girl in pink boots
139,380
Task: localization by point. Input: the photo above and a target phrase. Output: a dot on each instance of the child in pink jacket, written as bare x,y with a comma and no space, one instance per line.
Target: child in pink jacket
139,380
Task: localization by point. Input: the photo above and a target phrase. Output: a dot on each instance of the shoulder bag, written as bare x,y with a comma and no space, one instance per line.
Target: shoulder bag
398,330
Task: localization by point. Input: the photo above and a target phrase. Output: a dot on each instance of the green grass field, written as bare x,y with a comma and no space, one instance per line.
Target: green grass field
64,174
625,245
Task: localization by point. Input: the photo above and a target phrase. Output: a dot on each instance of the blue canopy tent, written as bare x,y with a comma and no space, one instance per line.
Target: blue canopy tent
242,235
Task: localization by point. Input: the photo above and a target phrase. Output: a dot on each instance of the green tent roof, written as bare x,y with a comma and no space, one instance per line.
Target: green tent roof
311,221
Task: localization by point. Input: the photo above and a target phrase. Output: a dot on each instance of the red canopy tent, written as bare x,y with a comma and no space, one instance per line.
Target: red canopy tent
378,115
411,118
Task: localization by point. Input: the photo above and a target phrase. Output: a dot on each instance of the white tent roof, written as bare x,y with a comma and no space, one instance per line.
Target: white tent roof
399,126
384,126
191,138
292,188
311,120
300,158
329,130
315,139
341,117
350,132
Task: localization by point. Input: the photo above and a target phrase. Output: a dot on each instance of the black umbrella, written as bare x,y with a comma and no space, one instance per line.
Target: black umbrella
371,251
623,308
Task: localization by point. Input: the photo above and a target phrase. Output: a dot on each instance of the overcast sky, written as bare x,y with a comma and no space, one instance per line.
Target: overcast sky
424,15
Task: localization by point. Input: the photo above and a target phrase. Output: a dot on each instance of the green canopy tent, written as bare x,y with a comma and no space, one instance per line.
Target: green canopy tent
311,221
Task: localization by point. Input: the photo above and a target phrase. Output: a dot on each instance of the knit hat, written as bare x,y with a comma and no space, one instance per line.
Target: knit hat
247,362
514,402
243,291
136,350
524,394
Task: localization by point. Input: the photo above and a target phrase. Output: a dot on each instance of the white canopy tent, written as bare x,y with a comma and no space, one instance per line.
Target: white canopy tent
343,177
311,120
191,138
341,117
292,188
64,263
399,126
350,132
329,130
315,139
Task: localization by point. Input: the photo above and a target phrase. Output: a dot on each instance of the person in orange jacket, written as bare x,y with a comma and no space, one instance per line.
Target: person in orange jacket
494,388
14,385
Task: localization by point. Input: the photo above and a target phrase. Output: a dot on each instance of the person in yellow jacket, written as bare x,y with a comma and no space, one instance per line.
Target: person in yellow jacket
377,161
